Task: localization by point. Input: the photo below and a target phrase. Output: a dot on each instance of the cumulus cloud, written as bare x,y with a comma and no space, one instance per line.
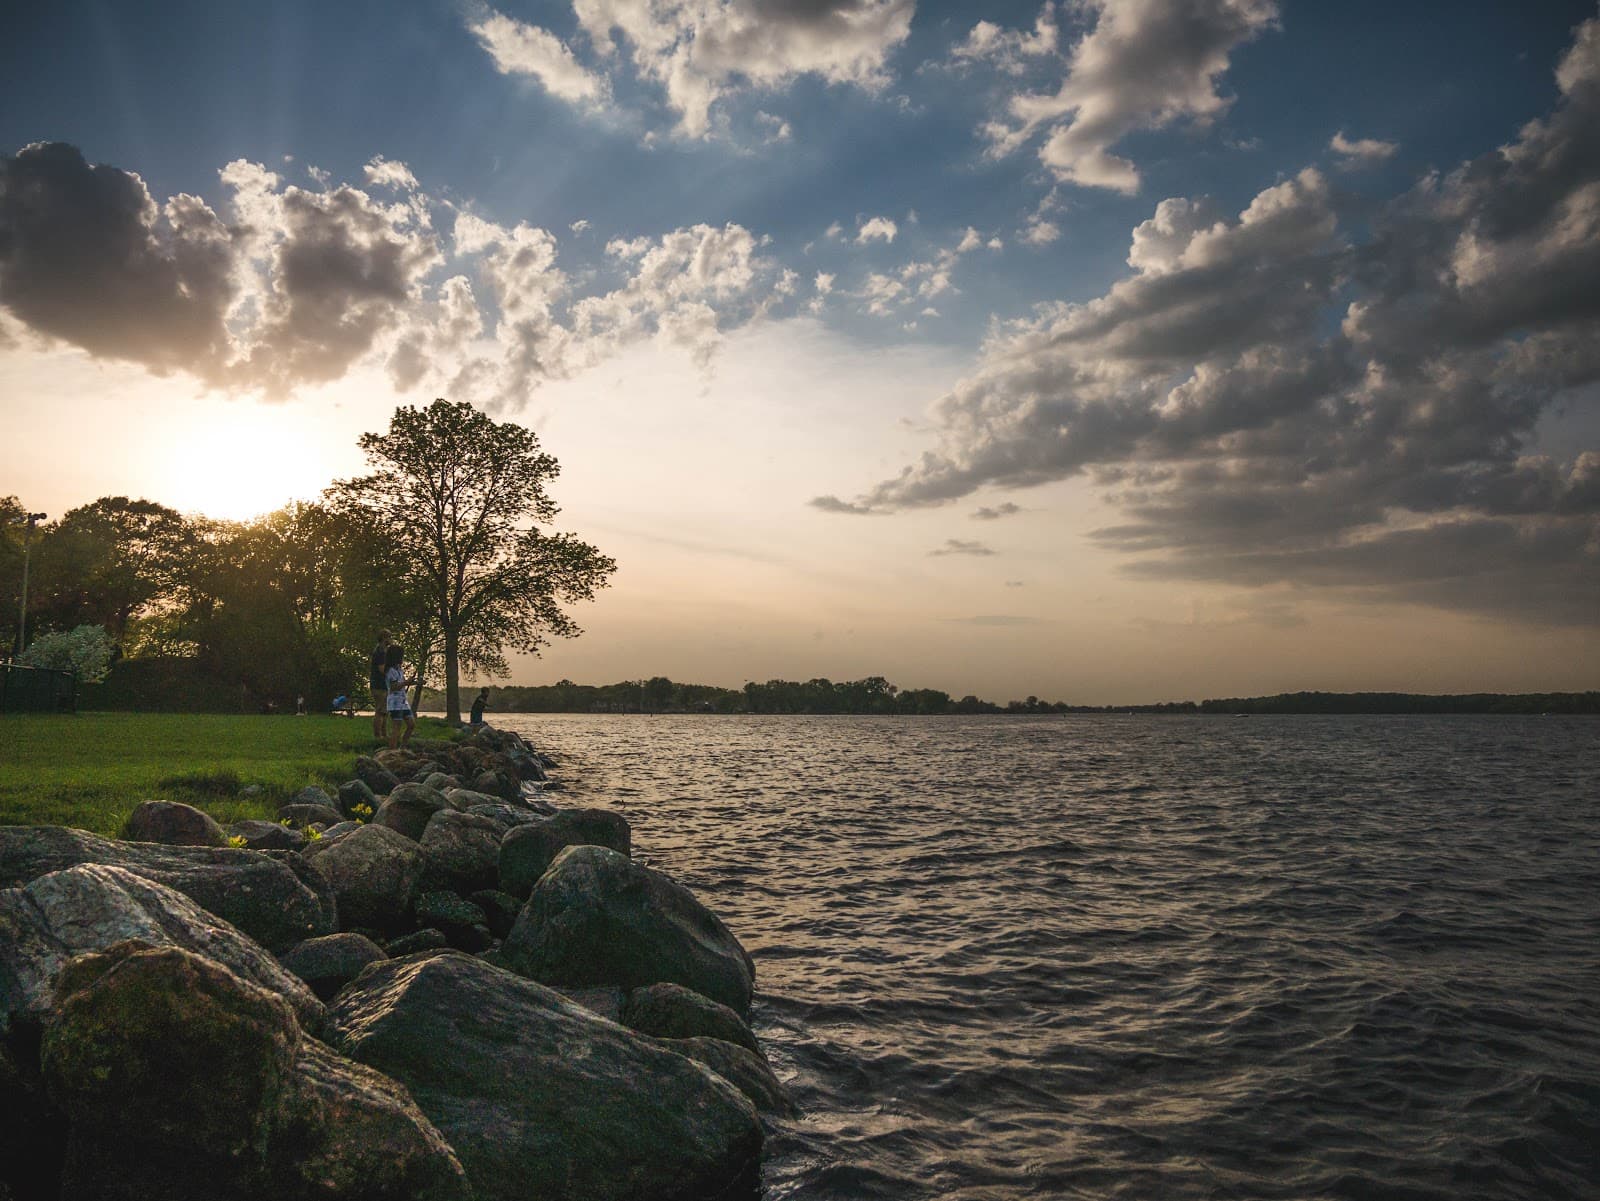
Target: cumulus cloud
1009,49
879,228
1361,151
955,546
518,48
1297,395
297,287
773,129
699,51
1039,232
1144,65
383,173
87,256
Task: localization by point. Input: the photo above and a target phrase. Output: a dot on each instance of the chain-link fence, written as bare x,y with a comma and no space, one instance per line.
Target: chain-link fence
37,689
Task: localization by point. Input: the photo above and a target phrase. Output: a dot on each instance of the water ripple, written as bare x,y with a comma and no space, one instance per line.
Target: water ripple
1121,957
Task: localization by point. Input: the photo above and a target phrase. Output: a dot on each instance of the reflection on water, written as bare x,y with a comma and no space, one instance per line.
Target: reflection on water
1146,957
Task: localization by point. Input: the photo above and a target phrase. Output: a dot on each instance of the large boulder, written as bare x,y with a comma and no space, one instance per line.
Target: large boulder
673,1011
298,814
184,1082
529,850
409,809
406,763
343,1130
461,851
375,775
354,795
597,917
573,1106
311,794
374,872
173,824
90,907
271,896
740,1067
266,836
464,925
328,963
498,782
161,1049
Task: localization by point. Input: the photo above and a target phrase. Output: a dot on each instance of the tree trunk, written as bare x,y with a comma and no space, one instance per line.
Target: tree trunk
452,685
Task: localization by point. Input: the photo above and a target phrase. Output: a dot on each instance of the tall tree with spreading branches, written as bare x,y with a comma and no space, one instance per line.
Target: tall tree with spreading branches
461,497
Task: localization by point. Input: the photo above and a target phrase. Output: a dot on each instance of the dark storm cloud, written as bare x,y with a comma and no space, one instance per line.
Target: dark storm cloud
87,256
1274,398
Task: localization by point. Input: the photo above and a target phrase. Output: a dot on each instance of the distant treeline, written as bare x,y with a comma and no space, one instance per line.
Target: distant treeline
875,695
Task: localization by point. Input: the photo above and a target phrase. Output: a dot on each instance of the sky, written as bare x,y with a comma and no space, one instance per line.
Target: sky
1107,351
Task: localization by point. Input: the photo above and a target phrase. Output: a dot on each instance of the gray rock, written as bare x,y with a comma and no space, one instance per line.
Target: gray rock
440,781
461,851
573,1106
266,836
498,782
465,799
500,908
276,901
409,809
376,776
607,1002
373,871
306,815
508,816
673,1011
740,1067
529,850
464,926
597,917
185,1082
427,939
343,1130
313,795
163,1048
173,824
328,963
357,792
91,907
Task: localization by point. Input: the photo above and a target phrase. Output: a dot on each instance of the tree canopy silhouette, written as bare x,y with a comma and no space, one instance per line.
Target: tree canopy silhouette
460,497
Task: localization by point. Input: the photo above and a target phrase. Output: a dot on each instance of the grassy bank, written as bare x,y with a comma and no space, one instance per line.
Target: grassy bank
90,770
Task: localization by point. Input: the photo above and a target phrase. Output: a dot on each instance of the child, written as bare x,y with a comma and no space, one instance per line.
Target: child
399,708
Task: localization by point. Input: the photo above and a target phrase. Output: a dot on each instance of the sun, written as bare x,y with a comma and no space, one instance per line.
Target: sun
239,460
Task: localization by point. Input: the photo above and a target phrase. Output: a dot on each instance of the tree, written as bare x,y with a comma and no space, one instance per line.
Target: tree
85,650
107,562
461,496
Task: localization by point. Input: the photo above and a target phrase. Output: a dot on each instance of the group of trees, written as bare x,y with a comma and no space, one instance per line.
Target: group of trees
439,544
873,695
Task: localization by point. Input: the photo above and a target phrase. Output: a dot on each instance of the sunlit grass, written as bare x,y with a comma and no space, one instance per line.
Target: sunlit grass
90,770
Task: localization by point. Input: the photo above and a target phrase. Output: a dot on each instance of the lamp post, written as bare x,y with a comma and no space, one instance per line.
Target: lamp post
22,612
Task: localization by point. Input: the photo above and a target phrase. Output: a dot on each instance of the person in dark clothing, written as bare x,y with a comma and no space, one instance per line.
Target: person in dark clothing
380,687
477,707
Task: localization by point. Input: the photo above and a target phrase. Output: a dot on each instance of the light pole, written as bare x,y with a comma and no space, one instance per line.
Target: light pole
22,612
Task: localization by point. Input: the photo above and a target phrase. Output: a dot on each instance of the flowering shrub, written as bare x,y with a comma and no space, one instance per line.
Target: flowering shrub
85,650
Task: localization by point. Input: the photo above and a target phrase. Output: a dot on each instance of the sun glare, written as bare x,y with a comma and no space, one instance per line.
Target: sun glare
241,460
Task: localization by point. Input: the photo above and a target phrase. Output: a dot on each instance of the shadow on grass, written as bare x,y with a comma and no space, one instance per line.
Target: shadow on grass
204,784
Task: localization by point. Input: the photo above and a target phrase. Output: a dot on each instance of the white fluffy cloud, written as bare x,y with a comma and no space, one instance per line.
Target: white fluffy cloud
1145,64
879,228
1361,151
522,49
1291,395
698,51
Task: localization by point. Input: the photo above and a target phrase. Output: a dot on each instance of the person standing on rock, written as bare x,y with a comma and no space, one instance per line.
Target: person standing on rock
379,685
399,708
477,707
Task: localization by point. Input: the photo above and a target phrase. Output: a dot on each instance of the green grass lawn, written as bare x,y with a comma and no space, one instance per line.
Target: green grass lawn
90,770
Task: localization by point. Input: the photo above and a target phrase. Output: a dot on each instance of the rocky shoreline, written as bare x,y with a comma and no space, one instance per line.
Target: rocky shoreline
435,985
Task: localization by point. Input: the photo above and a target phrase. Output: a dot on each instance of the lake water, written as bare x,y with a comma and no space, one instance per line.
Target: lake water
1145,957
